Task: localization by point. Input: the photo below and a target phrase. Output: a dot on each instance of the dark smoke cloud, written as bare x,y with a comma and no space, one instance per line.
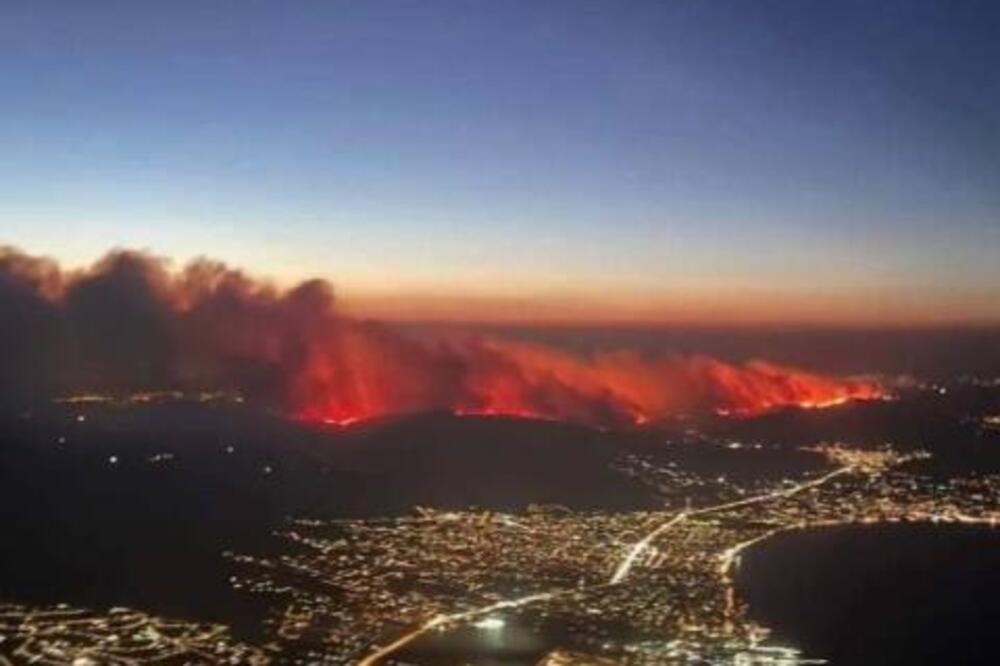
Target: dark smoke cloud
29,326
129,323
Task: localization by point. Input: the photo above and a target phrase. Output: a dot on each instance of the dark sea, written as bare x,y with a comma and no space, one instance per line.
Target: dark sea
894,594
910,594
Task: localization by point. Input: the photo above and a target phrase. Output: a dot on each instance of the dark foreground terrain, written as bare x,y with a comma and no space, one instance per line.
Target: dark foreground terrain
108,505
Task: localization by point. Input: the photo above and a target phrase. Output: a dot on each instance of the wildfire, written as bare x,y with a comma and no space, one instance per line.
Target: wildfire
492,377
129,324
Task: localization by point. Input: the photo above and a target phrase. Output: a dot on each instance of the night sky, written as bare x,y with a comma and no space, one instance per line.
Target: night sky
706,161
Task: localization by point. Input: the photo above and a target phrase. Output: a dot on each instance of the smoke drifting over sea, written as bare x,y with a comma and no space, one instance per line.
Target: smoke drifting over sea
130,323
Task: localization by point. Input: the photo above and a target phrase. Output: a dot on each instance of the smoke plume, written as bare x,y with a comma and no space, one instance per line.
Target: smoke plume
129,323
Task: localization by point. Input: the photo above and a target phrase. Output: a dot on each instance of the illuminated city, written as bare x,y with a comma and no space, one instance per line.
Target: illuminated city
64,635
515,333
661,578
656,585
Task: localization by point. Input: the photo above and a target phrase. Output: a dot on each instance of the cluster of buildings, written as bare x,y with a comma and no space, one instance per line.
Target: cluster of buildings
634,588
65,635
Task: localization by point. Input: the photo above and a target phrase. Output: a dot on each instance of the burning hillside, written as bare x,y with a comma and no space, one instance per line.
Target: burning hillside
129,323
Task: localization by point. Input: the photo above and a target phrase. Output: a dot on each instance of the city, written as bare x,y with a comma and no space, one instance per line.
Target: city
517,333
616,584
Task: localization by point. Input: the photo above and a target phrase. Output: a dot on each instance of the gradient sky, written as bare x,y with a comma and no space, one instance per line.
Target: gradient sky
663,161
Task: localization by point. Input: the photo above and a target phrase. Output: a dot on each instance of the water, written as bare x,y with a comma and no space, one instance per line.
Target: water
892,594
513,644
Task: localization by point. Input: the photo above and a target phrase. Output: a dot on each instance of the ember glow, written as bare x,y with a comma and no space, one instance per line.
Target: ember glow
491,377
130,324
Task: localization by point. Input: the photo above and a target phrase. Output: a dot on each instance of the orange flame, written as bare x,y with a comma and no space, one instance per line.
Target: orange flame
493,377
129,323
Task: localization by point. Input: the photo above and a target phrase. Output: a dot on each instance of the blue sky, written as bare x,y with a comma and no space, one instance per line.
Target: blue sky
644,158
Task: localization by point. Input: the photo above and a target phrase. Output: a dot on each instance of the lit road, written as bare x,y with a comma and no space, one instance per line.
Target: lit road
442,620
621,571
634,551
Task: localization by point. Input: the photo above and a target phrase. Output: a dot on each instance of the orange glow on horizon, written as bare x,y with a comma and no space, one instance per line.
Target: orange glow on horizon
619,388
208,327
695,306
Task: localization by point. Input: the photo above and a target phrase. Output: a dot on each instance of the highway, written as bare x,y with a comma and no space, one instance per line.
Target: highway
621,571
632,554
442,620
